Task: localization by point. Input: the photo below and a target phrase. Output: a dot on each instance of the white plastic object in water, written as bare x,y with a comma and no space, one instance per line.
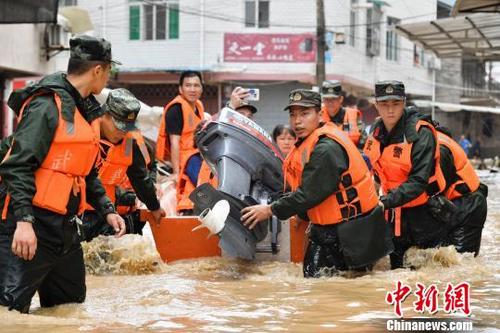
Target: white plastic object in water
214,219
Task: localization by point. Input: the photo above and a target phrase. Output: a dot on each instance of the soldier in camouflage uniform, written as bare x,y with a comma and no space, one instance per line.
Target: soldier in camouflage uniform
39,244
123,154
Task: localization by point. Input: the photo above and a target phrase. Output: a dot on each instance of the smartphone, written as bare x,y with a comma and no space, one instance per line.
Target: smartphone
254,94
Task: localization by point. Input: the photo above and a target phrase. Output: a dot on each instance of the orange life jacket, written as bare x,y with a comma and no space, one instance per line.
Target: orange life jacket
186,147
349,124
206,175
394,164
356,194
113,168
70,159
468,179
145,154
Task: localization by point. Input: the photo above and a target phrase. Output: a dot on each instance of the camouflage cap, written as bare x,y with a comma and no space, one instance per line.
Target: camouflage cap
123,108
84,47
389,90
331,89
305,98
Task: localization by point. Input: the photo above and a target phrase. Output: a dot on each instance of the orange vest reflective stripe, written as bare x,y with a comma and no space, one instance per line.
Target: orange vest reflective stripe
464,168
70,159
186,147
356,194
350,122
393,166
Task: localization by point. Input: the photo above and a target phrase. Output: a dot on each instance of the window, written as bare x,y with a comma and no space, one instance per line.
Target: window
153,20
148,21
64,3
134,22
161,21
418,56
391,42
373,18
173,19
257,13
488,127
352,25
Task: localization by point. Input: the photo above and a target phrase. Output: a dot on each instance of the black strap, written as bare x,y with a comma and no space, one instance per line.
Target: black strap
462,188
433,188
348,212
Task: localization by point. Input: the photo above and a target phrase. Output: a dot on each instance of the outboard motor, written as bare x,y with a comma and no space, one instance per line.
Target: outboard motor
249,170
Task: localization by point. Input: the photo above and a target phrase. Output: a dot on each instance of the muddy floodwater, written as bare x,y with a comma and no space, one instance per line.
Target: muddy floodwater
130,290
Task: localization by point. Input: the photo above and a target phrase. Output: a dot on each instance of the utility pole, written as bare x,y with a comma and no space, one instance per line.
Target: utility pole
103,18
490,76
320,42
433,108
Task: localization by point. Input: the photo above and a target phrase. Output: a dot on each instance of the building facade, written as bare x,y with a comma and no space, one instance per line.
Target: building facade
266,44
467,81
28,53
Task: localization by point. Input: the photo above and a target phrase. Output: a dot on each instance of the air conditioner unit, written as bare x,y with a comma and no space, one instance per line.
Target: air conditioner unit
54,35
55,40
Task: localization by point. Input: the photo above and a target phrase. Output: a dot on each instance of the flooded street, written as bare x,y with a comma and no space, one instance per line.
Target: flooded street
354,113
134,292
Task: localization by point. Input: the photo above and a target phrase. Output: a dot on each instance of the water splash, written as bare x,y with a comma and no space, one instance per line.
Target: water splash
435,257
129,255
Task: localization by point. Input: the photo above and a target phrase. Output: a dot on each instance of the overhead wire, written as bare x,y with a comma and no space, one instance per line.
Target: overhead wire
212,15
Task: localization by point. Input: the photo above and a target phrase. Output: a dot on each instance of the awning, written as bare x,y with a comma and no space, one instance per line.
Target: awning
379,3
475,35
451,107
78,19
475,6
28,11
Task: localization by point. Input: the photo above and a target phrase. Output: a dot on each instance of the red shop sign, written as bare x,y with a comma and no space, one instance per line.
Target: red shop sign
269,48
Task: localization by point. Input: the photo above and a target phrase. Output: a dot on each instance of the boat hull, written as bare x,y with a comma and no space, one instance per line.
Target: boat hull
175,240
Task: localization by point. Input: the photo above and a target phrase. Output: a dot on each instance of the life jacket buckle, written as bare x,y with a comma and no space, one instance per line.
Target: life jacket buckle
79,224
